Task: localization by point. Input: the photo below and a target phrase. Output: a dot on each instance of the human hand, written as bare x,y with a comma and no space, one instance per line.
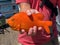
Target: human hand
31,11
31,31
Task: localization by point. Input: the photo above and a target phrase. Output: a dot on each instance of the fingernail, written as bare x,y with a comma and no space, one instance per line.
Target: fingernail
30,31
35,27
22,31
39,28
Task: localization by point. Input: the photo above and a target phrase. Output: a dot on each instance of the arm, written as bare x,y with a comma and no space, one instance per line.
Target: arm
24,7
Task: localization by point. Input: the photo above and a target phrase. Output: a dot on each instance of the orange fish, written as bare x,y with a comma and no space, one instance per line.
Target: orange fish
23,21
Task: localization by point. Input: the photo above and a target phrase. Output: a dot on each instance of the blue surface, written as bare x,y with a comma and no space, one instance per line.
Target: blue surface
7,7
5,0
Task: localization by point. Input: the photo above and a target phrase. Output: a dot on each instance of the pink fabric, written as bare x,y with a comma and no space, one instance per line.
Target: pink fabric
58,3
41,37
19,1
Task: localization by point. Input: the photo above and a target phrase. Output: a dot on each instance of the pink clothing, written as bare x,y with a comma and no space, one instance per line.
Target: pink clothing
19,1
41,37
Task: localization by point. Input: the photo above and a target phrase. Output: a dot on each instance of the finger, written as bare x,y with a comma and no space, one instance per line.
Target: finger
32,11
30,31
36,11
39,28
34,30
28,12
22,31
